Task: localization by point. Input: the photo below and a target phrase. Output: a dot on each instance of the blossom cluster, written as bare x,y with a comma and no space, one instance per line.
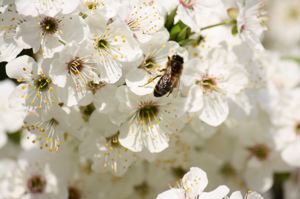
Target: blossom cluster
119,99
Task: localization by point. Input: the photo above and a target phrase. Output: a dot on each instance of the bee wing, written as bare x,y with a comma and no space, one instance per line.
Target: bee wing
165,81
175,88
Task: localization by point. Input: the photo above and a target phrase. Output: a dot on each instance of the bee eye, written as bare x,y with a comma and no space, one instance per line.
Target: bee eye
178,58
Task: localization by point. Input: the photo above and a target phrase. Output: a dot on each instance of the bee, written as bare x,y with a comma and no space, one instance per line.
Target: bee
171,77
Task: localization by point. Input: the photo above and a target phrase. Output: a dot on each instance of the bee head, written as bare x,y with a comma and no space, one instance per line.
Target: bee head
177,58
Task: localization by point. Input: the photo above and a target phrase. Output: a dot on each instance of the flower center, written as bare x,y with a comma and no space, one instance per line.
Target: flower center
142,189
75,66
178,172
91,5
148,112
149,63
260,151
102,44
228,170
42,83
208,84
36,184
86,111
49,25
187,3
114,140
73,193
93,87
297,128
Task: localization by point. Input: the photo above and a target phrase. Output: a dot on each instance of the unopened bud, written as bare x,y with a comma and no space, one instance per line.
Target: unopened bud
232,13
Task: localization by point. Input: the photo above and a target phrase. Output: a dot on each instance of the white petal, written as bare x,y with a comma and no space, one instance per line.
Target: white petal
218,193
21,68
30,33
236,195
131,137
260,179
137,79
194,100
291,154
72,29
171,194
215,109
194,181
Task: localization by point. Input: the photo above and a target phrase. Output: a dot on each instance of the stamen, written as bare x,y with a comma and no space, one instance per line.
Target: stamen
49,25
102,44
147,112
114,140
75,66
42,83
208,84
48,136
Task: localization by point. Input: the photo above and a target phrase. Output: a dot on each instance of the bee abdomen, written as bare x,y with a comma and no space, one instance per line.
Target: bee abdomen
159,92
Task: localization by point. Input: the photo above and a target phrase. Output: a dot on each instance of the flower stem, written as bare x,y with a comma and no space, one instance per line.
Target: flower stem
227,22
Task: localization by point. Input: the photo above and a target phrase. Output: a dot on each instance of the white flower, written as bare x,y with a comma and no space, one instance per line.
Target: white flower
46,7
198,13
103,148
10,120
36,90
192,186
10,47
285,15
213,82
146,122
143,18
73,68
251,22
50,129
111,45
287,136
51,33
33,179
249,195
143,79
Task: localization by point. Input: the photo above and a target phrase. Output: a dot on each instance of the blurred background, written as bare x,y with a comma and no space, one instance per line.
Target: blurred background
282,37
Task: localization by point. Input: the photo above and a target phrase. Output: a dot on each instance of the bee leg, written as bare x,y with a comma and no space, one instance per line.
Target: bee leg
150,80
170,92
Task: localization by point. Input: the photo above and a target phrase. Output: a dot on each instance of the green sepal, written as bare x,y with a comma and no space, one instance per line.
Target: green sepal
170,19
